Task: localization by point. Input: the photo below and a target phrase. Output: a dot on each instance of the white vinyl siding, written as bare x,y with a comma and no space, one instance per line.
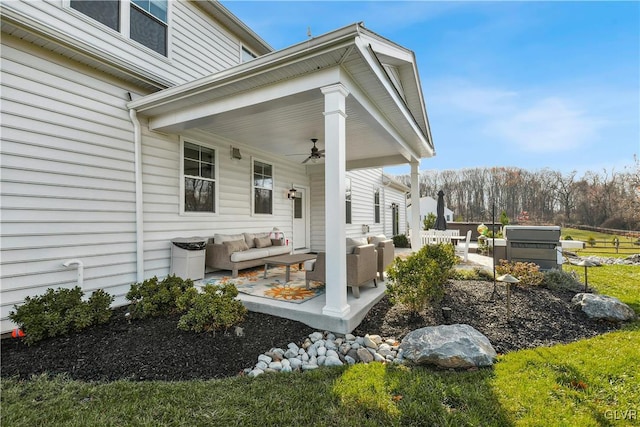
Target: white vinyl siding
67,178
362,212
198,45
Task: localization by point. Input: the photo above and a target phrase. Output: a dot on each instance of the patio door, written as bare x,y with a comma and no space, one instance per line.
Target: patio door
300,220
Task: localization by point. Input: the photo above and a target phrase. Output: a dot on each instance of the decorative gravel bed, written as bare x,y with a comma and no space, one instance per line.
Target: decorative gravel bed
154,349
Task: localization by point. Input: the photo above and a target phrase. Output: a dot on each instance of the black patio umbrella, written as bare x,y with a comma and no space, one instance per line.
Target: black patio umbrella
441,222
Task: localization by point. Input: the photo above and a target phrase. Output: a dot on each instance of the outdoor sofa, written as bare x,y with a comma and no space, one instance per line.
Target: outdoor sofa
239,251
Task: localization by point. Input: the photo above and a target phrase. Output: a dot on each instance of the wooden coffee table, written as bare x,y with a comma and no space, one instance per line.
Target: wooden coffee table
288,261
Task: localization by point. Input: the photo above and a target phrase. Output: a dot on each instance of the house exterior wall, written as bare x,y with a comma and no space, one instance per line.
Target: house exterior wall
67,157
363,184
68,186
197,44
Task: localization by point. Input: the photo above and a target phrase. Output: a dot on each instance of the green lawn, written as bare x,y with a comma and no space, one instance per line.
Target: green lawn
590,382
604,243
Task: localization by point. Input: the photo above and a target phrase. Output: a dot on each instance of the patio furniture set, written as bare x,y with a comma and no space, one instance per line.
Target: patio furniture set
367,258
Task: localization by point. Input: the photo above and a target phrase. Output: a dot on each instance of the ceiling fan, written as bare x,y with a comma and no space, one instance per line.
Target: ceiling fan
315,152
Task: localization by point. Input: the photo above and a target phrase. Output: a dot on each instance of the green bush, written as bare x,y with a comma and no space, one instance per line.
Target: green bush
153,298
558,279
59,312
472,274
429,221
420,278
568,237
591,241
527,272
400,241
214,309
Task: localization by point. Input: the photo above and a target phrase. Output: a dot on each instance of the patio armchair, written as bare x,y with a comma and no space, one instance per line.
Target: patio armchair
361,268
386,253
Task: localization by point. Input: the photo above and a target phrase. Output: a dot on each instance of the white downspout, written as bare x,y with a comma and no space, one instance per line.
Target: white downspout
137,144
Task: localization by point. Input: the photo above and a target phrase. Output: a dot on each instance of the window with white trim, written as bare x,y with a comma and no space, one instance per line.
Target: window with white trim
348,200
199,169
262,188
148,19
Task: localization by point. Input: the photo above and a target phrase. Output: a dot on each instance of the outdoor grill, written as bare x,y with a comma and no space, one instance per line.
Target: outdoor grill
537,244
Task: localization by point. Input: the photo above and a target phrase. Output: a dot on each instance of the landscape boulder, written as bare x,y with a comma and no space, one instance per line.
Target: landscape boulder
603,307
448,346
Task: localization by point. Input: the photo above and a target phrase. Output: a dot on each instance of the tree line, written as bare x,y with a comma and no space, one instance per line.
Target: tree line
606,199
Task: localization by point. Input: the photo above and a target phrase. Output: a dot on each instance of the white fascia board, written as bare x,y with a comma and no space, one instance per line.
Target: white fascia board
191,116
373,65
360,96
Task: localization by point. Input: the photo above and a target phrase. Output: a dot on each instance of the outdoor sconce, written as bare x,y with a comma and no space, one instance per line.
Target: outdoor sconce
586,264
291,194
235,153
365,228
394,205
508,279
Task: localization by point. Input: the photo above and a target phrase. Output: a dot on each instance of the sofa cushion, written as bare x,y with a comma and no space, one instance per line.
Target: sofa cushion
309,264
262,242
278,250
221,238
249,254
250,238
352,242
377,239
236,245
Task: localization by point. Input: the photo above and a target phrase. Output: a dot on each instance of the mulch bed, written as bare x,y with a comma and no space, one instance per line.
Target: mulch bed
154,349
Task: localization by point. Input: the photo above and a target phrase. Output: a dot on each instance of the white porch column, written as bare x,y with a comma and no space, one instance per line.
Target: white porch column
334,203
415,207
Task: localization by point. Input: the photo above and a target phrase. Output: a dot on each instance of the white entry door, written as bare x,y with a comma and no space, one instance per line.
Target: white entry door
300,220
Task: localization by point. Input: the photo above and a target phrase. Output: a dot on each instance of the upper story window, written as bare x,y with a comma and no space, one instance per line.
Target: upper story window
199,169
246,55
106,12
262,188
348,199
149,24
145,21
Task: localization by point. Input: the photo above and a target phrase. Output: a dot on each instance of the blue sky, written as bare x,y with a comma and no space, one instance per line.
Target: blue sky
523,84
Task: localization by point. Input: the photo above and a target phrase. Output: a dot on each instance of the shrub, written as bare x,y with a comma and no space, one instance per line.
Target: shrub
59,312
567,237
400,241
591,241
429,221
153,298
527,272
558,279
214,309
472,274
420,278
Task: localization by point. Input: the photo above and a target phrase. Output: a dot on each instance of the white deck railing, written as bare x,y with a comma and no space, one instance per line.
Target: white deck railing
433,237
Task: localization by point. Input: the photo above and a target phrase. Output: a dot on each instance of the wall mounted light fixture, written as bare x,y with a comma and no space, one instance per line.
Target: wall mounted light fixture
292,193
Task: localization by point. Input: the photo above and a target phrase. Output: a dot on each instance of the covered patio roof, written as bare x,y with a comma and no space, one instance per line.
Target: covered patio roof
275,102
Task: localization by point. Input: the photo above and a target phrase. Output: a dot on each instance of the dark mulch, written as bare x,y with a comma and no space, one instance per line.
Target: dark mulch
154,349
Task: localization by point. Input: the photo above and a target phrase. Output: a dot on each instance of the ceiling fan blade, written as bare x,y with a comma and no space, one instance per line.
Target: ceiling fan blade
321,152
306,160
297,154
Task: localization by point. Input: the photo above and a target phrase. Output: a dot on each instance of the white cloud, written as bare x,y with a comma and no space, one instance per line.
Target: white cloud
529,122
548,125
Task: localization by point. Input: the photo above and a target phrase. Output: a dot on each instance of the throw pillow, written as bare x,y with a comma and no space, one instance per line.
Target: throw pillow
236,245
352,242
262,242
377,239
221,238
